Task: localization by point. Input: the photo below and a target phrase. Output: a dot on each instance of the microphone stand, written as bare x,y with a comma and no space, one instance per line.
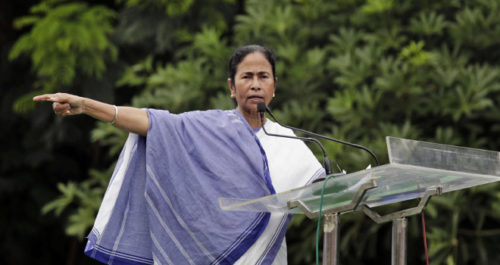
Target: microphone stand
326,160
324,137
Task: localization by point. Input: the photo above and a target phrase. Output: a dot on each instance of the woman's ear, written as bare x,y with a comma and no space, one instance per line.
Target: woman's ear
231,87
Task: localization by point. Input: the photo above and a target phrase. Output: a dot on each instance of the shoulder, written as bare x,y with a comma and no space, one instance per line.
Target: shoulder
194,114
214,120
214,117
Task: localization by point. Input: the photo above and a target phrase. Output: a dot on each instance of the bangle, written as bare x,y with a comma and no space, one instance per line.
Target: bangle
116,116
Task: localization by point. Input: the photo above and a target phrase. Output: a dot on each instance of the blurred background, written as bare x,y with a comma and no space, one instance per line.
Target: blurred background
357,70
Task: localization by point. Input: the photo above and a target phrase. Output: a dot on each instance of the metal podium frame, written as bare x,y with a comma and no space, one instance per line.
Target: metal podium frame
417,170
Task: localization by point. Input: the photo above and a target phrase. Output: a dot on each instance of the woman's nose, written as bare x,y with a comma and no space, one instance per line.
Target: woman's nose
255,84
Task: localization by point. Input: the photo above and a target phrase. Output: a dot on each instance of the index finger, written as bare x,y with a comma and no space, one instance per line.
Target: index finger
44,97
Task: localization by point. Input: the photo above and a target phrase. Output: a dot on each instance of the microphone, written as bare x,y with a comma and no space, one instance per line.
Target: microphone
264,107
261,108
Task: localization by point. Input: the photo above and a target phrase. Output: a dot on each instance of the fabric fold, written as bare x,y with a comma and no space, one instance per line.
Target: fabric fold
161,203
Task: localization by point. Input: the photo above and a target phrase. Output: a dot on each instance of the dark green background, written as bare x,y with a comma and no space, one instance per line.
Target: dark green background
355,70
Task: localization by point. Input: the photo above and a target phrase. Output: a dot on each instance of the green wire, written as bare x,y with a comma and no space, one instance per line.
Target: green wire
318,228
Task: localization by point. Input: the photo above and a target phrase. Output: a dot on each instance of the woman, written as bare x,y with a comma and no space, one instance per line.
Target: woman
161,203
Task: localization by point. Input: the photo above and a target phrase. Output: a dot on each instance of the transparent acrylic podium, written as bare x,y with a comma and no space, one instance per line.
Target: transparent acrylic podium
416,169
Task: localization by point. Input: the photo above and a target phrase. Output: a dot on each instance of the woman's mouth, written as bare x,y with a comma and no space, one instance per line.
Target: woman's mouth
255,99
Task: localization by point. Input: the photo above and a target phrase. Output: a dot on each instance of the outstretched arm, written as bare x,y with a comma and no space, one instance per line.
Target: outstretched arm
130,119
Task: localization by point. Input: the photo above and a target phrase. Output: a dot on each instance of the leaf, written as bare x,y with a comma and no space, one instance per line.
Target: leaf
25,21
84,51
377,6
428,23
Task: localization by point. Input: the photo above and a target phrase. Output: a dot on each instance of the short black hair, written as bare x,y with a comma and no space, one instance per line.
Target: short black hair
243,51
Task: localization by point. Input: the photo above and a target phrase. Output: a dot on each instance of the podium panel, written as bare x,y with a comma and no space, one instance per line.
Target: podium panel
414,167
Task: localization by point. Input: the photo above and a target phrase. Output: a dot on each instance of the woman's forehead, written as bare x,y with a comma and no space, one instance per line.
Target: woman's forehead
254,62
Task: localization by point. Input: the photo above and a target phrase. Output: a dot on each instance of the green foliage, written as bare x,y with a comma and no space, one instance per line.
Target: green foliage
65,38
376,6
477,24
354,70
189,83
109,135
172,8
427,24
87,195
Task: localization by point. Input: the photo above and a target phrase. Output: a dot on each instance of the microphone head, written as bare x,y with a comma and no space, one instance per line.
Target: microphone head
261,107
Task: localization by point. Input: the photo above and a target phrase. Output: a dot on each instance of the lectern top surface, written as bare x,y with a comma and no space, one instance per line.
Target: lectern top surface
414,167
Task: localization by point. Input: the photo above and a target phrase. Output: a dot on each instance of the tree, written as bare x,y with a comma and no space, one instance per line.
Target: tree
354,70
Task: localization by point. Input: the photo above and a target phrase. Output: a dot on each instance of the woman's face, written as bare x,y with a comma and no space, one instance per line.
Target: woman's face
253,83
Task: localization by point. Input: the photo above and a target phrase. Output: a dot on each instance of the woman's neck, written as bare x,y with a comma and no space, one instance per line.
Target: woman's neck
253,118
